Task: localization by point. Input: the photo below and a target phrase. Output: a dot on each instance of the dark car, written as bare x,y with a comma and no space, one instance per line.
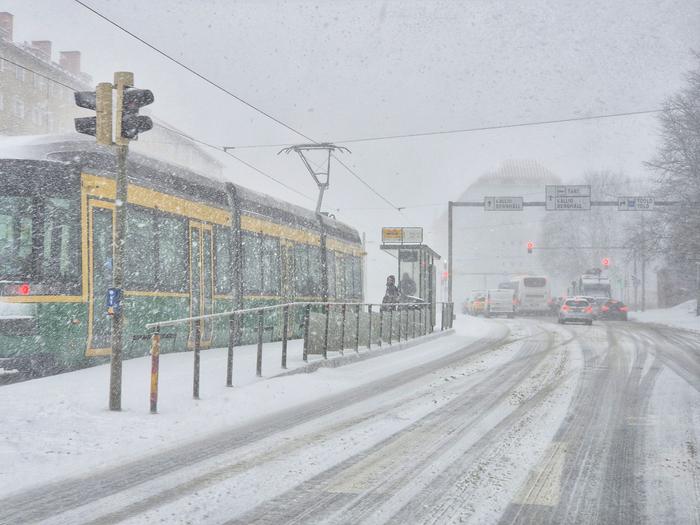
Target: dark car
613,309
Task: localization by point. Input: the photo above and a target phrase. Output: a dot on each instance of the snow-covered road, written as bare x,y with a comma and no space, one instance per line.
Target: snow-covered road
553,424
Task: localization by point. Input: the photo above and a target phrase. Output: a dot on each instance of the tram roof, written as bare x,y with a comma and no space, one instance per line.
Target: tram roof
65,148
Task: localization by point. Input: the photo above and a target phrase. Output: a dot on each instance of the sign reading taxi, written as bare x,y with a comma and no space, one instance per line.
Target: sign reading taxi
568,197
396,235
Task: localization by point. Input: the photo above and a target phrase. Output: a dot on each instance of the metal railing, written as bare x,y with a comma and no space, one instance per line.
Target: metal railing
323,326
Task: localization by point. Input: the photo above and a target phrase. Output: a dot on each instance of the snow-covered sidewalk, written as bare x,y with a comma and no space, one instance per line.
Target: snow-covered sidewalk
59,426
680,316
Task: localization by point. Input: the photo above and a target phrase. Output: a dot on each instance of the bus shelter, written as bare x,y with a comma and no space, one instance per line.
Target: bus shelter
416,272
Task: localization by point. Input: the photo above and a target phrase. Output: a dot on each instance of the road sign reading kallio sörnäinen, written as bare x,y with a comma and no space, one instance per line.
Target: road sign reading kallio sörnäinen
503,203
571,197
635,203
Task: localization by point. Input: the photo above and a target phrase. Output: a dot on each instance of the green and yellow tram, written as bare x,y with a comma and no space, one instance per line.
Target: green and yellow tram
194,246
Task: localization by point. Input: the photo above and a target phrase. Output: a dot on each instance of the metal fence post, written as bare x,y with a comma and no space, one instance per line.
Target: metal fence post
369,327
413,322
391,323
442,316
381,325
343,309
155,360
307,316
325,336
231,344
398,336
197,345
357,330
258,362
285,329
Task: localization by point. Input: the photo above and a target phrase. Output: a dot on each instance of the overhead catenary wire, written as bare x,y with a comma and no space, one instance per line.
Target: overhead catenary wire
39,74
228,92
470,130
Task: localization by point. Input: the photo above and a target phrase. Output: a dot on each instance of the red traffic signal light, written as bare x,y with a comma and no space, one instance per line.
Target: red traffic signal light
530,246
606,262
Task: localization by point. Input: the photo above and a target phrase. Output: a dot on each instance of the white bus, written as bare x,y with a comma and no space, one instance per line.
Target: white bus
531,294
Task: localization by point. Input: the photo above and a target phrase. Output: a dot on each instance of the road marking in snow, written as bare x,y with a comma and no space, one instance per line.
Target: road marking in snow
369,472
543,487
642,421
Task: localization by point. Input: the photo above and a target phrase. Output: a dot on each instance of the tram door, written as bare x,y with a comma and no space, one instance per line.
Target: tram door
100,256
201,280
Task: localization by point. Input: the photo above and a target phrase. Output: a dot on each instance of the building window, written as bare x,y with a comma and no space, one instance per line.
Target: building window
2,102
19,73
35,80
36,116
19,108
2,64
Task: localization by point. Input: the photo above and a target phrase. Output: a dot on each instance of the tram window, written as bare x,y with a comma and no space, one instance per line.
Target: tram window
330,268
141,259
15,237
349,281
252,271
356,277
60,255
222,245
172,254
270,265
340,277
301,270
314,271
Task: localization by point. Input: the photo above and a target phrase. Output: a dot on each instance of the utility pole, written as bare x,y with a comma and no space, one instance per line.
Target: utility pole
449,251
127,125
644,264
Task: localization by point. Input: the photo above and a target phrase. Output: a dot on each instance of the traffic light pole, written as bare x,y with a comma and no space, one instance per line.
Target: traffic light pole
449,251
115,378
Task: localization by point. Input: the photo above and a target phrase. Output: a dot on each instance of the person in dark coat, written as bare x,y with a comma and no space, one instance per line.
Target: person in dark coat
392,293
407,285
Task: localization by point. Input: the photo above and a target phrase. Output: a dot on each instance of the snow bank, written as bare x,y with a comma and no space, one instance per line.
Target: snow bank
680,316
59,426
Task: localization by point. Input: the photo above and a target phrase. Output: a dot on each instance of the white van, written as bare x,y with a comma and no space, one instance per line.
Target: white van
499,302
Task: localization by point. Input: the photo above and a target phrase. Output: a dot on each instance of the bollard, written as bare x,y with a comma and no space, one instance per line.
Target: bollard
342,328
197,344
369,327
381,325
258,361
307,316
285,329
325,337
155,360
231,344
357,329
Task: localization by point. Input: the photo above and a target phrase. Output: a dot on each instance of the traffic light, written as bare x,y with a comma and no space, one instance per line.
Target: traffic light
132,123
530,246
605,262
99,126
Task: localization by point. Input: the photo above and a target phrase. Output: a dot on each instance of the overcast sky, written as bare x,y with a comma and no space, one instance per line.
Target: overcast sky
350,69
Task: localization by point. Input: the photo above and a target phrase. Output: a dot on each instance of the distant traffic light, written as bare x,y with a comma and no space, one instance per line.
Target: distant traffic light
530,246
99,126
605,262
132,100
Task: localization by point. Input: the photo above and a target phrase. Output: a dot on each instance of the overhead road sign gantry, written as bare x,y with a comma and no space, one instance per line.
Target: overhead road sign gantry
635,203
567,197
497,203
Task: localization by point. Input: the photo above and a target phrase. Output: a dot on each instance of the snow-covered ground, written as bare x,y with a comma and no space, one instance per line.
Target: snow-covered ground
59,426
679,316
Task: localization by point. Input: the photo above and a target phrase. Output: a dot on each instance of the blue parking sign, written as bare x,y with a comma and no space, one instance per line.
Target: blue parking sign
114,300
